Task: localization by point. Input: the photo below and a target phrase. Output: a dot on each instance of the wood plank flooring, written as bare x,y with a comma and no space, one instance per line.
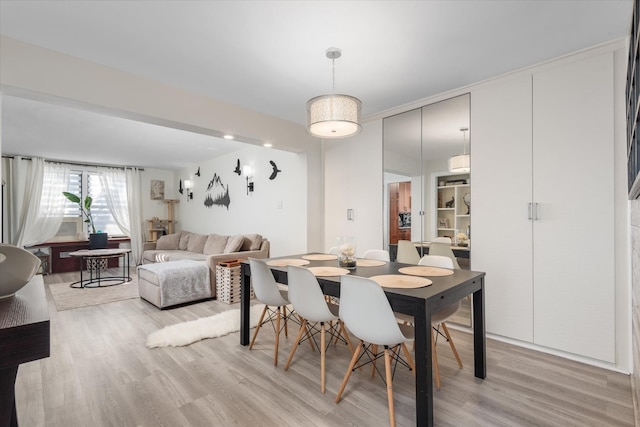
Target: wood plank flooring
101,374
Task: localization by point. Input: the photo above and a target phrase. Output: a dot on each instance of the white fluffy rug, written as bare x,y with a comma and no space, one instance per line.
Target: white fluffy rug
186,333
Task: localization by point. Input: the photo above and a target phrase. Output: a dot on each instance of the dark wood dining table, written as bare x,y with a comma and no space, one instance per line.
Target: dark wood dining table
419,303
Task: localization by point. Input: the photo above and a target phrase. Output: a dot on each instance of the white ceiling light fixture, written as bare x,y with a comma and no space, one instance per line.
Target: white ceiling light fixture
333,116
462,162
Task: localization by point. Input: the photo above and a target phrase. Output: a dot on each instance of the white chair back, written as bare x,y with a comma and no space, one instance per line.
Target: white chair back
443,248
436,261
407,252
264,284
446,240
333,250
378,254
306,296
365,311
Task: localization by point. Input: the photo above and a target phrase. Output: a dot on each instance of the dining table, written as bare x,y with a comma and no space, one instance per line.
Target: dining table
418,302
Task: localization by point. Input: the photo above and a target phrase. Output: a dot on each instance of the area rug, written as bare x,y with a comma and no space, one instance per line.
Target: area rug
67,298
215,326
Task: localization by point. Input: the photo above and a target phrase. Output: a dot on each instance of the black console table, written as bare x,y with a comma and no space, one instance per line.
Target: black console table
24,337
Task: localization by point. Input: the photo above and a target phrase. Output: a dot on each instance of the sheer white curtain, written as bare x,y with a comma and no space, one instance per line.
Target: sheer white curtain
39,186
114,188
134,197
122,193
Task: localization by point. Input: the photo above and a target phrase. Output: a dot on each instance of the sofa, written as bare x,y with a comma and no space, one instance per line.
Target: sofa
208,248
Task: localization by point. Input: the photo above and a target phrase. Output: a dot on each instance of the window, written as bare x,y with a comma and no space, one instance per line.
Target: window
83,182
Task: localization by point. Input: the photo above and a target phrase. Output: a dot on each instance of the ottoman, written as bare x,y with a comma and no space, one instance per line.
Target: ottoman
165,284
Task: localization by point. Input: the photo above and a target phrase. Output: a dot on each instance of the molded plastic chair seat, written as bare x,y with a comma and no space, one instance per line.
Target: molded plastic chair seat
310,304
438,318
442,246
267,292
407,252
378,254
366,312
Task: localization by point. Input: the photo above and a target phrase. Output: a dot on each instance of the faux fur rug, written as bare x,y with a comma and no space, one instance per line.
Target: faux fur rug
215,326
67,298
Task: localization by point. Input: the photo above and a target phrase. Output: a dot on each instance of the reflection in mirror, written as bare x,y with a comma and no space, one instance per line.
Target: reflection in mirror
423,197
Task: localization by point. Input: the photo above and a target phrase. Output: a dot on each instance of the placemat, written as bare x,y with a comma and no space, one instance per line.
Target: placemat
362,262
320,257
286,262
425,271
401,281
329,271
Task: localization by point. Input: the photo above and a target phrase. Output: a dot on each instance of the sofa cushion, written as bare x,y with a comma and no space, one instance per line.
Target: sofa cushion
196,243
184,240
251,242
215,244
234,244
170,241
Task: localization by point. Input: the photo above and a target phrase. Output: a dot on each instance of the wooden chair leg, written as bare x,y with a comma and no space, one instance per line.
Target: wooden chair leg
345,334
434,360
451,344
322,357
354,359
303,328
387,368
255,333
275,354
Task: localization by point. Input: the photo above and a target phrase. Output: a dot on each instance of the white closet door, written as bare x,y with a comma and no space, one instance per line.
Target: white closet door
501,232
573,188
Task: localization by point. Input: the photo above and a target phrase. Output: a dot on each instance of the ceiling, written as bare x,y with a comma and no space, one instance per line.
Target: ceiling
269,56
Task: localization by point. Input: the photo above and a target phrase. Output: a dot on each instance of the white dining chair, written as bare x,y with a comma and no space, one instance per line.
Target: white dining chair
275,300
377,254
407,253
442,246
309,303
333,250
367,314
436,261
438,318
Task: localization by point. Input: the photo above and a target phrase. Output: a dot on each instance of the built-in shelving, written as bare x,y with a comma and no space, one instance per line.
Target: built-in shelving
454,219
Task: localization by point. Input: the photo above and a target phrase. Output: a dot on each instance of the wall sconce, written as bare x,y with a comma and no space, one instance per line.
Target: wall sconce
188,186
247,170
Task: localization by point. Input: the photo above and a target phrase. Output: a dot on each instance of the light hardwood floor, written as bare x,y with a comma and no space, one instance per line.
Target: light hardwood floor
101,374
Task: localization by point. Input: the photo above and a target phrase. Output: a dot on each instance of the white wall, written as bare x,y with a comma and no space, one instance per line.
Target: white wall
156,208
354,180
277,209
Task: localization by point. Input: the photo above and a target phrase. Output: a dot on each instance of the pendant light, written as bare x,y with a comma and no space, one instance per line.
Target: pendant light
333,116
462,162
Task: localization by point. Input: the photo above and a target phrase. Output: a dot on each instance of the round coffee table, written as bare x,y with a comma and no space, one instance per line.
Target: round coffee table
93,258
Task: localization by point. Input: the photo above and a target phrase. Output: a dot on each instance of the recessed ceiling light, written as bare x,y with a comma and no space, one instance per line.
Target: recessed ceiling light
267,144
228,137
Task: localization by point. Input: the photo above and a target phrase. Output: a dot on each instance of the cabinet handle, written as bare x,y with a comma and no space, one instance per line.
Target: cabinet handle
529,216
535,211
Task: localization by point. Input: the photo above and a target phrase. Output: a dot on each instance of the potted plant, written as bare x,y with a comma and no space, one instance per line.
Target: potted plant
96,240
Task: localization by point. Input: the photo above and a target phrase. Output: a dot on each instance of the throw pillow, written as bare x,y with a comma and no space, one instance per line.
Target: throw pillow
234,244
184,240
215,244
168,242
251,242
197,242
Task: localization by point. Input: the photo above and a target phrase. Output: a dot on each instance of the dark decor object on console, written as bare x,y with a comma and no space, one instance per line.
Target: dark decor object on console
98,240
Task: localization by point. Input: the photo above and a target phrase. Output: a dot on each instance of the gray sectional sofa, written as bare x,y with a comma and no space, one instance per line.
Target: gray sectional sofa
209,248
